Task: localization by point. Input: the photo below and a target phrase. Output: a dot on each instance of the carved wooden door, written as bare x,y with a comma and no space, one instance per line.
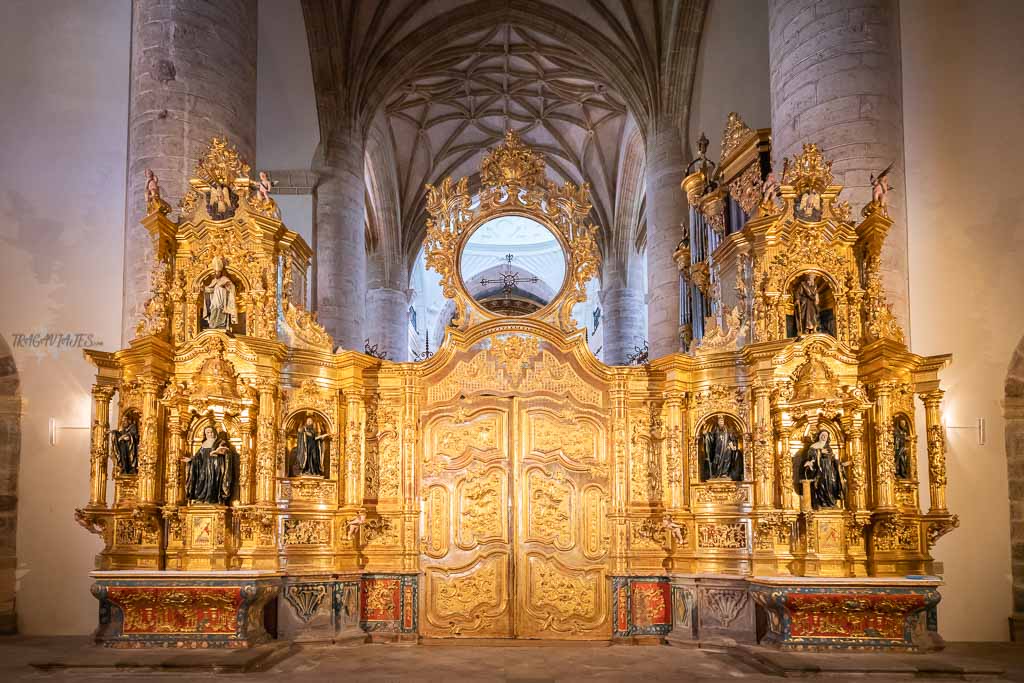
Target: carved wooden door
561,542
467,547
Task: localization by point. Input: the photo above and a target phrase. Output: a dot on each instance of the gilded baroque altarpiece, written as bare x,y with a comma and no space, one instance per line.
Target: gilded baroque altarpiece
511,485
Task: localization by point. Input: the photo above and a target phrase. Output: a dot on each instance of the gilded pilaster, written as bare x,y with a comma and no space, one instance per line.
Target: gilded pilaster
885,462
936,450
149,444
99,451
355,452
764,469
266,440
675,431
620,452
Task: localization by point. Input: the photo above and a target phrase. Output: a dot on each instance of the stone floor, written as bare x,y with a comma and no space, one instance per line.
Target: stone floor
523,663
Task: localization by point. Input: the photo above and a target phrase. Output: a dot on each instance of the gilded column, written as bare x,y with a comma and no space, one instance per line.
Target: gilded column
885,459
177,449
620,464
764,456
355,453
266,437
410,418
149,444
936,450
245,457
855,434
99,451
675,436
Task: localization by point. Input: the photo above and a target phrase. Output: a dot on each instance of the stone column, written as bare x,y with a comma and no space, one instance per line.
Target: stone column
193,76
622,315
341,239
666,218
836,81
387,321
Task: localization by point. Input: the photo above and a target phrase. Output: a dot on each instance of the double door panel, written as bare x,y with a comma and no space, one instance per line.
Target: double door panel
515,523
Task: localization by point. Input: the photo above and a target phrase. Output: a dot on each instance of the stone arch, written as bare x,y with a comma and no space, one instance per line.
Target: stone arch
10,456
1013,411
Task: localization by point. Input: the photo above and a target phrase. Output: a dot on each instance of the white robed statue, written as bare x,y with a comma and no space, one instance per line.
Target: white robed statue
219,310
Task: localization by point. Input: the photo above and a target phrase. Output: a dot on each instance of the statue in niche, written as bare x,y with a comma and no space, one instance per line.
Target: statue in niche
209,474
901,446
806,304
310,450
822,468
221,202
219,309
808,206
723,456
125,442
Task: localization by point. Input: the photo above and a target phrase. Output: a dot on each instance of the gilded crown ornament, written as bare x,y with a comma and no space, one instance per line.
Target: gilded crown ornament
808,171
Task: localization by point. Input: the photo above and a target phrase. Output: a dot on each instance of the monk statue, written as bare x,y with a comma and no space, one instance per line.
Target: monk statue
806,304
209,475
126,445
825,472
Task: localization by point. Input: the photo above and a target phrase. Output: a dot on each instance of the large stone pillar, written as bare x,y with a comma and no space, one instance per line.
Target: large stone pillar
340,240
622,315
836,81
666,216
387,322
193,76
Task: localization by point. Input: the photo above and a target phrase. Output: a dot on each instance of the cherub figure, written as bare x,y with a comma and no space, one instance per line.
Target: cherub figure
265,185
355,524
673,528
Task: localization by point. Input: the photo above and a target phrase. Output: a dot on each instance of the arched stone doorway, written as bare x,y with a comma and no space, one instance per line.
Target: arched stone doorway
10,455
1014,411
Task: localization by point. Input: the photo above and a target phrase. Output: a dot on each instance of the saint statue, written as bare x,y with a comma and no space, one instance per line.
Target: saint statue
823,469
901,442
219,310
806,305
723,458
809,205
309,452
209,475
126,445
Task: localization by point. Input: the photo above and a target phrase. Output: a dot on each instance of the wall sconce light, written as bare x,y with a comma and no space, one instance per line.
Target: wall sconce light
54,430
979,428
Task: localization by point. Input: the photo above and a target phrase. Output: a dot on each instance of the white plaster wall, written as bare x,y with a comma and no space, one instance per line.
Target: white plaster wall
63,144
963,99
732,71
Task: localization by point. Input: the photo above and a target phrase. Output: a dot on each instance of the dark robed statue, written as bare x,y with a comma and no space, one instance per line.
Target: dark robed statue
209,477
723,458
901,442
126,445
806,305
823,469
308,457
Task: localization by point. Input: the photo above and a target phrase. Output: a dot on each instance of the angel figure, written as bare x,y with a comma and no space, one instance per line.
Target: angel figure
880,188
769,191
355,524
154,202
265,185
673,528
